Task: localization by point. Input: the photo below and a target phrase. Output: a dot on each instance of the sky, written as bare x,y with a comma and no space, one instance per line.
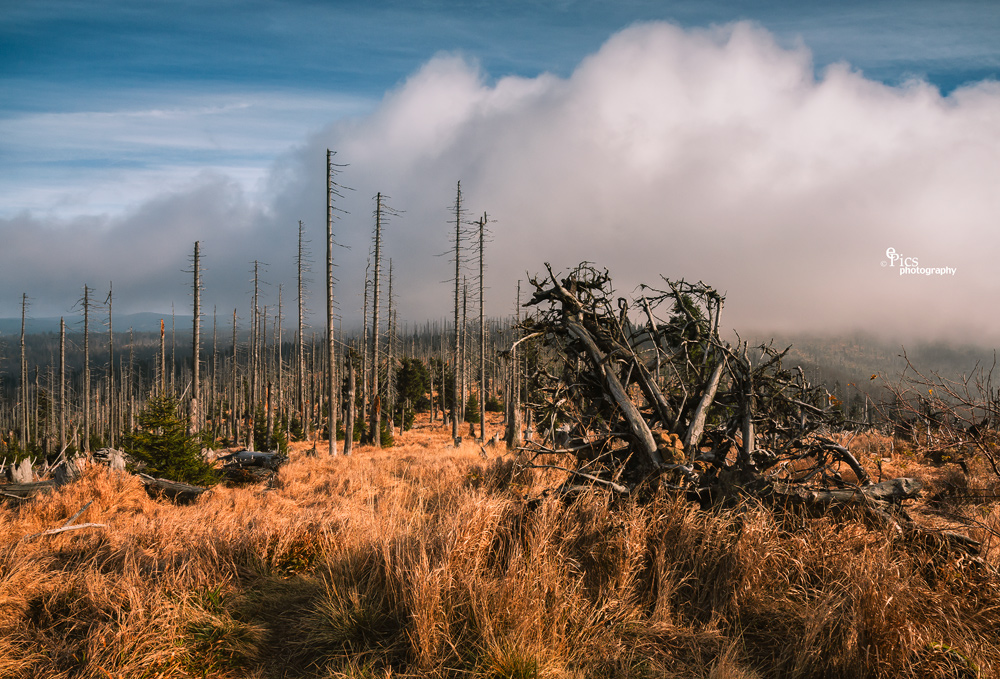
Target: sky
813,161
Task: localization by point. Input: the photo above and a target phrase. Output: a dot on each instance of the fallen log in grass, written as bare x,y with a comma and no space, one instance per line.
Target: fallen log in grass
178,492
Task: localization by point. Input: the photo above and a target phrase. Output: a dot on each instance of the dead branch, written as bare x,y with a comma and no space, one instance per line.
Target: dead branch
646,397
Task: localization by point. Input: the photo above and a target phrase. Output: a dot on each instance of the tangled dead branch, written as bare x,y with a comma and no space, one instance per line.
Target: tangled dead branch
640,393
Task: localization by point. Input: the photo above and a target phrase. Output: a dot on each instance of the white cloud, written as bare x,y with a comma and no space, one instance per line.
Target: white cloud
708,154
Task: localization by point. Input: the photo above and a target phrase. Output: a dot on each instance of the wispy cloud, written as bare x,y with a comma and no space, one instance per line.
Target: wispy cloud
107,160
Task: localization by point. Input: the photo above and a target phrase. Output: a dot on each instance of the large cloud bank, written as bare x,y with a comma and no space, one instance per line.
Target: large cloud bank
707,154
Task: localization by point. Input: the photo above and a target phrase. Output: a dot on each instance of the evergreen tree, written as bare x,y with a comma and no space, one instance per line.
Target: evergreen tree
472,409
412,383
162,443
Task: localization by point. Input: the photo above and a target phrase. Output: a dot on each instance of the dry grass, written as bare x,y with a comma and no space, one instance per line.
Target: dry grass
424,560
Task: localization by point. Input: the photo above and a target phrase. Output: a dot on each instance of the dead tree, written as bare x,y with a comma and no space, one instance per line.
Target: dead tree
482,332
375,416
642,400
163,357
24,409
62,383
195,343
332,192
86,369
456,406
349,423
300,262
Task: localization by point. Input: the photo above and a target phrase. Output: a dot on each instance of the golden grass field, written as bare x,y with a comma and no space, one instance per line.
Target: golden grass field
427,561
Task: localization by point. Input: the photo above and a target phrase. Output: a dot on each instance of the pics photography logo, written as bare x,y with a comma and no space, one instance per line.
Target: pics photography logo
910,266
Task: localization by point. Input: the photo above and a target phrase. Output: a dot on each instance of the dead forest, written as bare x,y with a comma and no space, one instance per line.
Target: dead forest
600,484
632,395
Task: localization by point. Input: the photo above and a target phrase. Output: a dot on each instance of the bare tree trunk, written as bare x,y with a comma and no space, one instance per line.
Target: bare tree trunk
312,377
513,434
390,394
270,417
482,335
86,369
234,400
458,267
330,345
694,432
464,357
173,349
62,383
196,344
278,401
252,361
216,410
163,358
375,416
265,377
111,370
24,379
364,345
303,419
131,382
349,425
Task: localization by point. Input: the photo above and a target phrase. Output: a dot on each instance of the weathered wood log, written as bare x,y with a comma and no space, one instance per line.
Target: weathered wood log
25,490
254,458
893,491
179,492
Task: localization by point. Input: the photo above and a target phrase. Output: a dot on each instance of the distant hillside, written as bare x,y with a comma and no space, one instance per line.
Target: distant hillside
845,364
140,322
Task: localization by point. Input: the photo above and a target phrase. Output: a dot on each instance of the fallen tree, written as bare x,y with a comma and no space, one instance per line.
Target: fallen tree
643,393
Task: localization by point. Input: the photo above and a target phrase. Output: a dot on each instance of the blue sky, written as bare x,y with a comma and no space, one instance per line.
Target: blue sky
115,115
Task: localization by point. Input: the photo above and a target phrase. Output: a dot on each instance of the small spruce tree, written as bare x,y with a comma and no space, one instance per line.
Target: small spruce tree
162,443
472,409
